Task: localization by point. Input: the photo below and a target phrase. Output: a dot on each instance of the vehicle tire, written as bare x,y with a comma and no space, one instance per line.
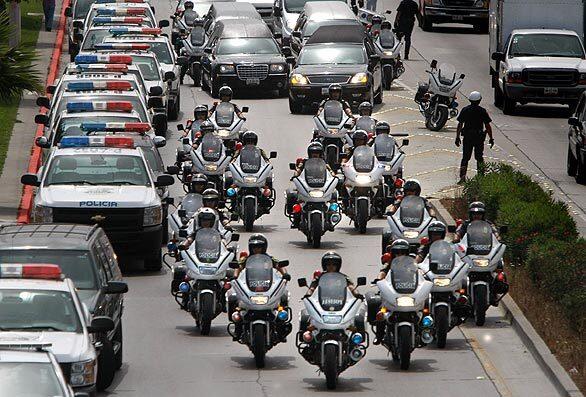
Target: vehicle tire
172,111
283,92
206,310
154,263
331,157
362,216
214,89
295,107
388,77
258,345
316,230
439,121
106,365
481,27
331,365
165,238
204,82
498,96
196,77
572,164
371,96
248,214
580,175
118,357
508,105
480,304
442,325
405,347
426,23
378,98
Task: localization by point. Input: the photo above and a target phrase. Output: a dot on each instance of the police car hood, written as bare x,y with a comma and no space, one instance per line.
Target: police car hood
99,196
66,346
521,63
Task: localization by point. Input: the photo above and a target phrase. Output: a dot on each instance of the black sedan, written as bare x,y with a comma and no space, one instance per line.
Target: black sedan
577,142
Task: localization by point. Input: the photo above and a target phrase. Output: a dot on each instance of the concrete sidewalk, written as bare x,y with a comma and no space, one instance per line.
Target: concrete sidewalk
21,142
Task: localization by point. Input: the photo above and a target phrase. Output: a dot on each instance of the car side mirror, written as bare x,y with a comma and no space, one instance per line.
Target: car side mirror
44,102
292,166
245,109
116,287
156,91
155,102
296,34
51,89
164,180
172,169
163,23
302,282
286,50
290,59
284,263
503,229
361,281
182,233
498,56
159,141
30,180
68,12
277,11
433,64
101,324
405,142
182,61
575,122
273,155
180,127
182,213
78,25
78,37
207,50
234,265
42,142
462,76
452,228
169,76
235,237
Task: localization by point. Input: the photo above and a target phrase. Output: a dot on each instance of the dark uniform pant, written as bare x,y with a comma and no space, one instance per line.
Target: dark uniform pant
474,143
405,32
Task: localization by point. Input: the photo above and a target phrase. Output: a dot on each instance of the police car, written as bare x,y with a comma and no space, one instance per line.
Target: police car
38,306
104,180
30,370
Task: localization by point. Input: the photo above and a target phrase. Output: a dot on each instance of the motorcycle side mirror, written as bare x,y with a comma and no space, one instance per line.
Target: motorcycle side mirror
233,265
156,91
51,89
292,166
361,281
180,127
42,119
172,170
159,141
234,217
462,76
235,237
433,64
405,142
185,141
182,213
44,102
503,229
163,23
43,142
273,155
245,109
182,233
169,76
452,228
302,282
284,263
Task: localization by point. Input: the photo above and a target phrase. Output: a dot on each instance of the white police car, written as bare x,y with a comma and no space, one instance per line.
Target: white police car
104,180
38,306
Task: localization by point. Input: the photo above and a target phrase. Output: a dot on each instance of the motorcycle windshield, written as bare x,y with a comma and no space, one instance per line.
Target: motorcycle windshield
315,172
332,291
197,36
333,112
208,245
387,39
250,159
189,17
384,147
441,257
191,203
412,211
365,123
479,238
404,275
446,74
259,273
211,147
363,159
224,114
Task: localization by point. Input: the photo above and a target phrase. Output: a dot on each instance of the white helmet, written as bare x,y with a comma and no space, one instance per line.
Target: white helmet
475,96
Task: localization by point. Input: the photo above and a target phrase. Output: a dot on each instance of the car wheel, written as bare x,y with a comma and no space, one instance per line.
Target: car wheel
106,364
508,105
378,99
154,262
498,96
426,23
572,163
580,175
204,82
294,106
118,338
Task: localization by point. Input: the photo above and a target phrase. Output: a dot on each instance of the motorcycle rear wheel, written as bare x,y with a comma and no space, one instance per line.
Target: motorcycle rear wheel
405,347
315,231
331,365
258,345
442,325
206,311
480,304
248,214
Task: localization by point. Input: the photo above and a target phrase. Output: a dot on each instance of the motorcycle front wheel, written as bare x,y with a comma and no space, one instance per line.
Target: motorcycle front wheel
331,365
315,231
442,325
248,214
362,216
405,347
206,313
480,304
258,344
438,119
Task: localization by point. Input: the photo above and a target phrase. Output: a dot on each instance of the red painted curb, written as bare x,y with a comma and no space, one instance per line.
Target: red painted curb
26,200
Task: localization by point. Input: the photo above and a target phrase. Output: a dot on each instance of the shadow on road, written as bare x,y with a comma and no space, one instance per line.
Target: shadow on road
459,344
345,385
272,363
119,376
216,331
455,30
325,245
421,365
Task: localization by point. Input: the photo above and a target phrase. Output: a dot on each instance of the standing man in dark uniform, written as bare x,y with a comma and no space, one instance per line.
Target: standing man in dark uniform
405,21
473,124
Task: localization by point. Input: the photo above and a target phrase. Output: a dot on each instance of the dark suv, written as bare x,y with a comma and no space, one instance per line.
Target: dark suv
84,255
576,162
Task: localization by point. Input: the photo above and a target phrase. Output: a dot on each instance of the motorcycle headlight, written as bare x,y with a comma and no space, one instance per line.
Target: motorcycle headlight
83,373
331,319
250,179
333,130
405,301
211,167
359,78
388,53
388,168
482,262
259,300
442,282
277,68
411,234
42,214
363,179
152,216
316,193
223,132
227,69
299,79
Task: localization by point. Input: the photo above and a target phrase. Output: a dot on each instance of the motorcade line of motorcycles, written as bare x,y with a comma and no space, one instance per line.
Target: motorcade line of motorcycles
227,123
211,158
437,98
391,157
410,222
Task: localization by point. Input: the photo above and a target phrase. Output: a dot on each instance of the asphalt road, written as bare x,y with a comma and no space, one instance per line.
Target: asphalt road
165,355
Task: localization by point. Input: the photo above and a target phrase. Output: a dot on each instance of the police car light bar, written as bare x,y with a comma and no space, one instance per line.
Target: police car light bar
122,46
99,67
135,30
113,126
104,58
119,12
113,106
8,345
96,141
119,1
99,85
104,20
33,271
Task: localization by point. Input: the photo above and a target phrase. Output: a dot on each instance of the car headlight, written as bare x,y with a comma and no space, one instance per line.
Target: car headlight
83,373
277,68
316,193
259,300
250,179
363,179
411,234
42,214
405,301
482,262
359,78
152,216
442,282
227,69
211,167
299,79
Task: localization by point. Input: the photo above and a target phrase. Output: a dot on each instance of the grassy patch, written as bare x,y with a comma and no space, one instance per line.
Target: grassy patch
30,32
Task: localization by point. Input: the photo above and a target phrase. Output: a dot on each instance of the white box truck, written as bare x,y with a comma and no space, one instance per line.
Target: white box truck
536,52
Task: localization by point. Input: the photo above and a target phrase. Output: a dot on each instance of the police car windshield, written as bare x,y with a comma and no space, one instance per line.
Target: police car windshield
148,67
137,105
153,159
69,126
74,264
247,46
38,310
328,54
97,169
29,379
81,8
93,37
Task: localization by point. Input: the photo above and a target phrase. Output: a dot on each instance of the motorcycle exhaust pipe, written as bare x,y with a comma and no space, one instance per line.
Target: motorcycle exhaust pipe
356,354
426,336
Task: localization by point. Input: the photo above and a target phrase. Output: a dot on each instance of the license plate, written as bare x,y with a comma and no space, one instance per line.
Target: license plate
325,90
458,17
550,90
252,81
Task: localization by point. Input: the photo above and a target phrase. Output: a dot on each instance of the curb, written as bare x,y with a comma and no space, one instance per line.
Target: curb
26,200
539,350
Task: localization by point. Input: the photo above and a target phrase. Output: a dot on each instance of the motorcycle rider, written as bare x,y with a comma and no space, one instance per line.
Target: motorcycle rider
365,109
331,262
205,219
436,231
250,138
335,94
359,138
476,212
200,115
205,127
381,127
225,93
412,187
211,199
198,184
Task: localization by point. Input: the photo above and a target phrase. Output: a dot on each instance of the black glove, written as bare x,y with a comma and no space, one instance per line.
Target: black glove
287,277
359,296
181,247
306,296
458,141
491,142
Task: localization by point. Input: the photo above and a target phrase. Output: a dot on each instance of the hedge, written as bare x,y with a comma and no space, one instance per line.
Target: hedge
541,235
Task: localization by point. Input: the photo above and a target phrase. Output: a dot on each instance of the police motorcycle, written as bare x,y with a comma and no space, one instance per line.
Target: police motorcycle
188,206
262,311
199,286
191,44
365,123
389,154
332,333
362,179
388,46
316,200
399,308
251,194
437,98
182,23
332,126
487,284
211,158
449,304
227,123
410,222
